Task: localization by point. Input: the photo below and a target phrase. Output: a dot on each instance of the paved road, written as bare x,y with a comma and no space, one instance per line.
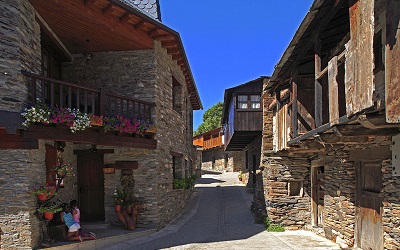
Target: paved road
218,217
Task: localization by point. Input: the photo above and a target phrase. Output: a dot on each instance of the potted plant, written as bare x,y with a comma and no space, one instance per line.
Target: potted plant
63,169
96,120
44,192
240,176
49,210
119,199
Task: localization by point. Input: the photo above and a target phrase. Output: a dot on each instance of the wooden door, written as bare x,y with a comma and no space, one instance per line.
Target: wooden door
369,230
317,195
91,186
51,161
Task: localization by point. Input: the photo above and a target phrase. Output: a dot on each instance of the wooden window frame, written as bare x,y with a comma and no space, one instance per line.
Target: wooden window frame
249,102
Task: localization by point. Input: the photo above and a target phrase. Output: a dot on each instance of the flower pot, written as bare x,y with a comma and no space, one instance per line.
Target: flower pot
117,208
43,197
96,121
151,130
48,215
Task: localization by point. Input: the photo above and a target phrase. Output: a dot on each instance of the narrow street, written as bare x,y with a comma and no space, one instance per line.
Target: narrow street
218,217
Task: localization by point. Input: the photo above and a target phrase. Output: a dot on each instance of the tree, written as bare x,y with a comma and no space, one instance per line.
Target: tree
211,119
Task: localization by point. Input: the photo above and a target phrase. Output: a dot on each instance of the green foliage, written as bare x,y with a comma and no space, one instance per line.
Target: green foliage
272,227
211,119
275,228
53,208
184,183
240,174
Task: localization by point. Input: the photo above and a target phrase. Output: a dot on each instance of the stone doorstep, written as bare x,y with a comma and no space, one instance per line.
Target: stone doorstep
103,242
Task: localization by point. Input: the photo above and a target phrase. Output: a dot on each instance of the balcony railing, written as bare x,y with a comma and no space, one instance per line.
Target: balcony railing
213,142
62,94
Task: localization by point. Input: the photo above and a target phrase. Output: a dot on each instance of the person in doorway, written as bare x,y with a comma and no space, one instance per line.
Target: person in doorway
76,213
73,226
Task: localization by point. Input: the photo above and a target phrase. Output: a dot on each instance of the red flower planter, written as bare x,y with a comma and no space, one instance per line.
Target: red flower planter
43,197
117,208
48,215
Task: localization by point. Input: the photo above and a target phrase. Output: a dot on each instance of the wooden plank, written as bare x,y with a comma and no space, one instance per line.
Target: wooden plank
373,154
293,100
333,91
90,136
126,165
392,65
314,197
317,84
359,64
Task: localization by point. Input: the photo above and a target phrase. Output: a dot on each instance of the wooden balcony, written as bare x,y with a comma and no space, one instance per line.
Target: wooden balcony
210,139
60,94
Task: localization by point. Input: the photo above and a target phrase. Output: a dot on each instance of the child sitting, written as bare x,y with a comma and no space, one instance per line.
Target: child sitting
73,226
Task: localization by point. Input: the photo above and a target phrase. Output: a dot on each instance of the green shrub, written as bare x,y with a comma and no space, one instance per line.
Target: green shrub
272,227
184,183
267,223
275,228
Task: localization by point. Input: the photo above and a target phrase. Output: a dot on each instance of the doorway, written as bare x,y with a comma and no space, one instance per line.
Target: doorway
317,195
369,229
91,186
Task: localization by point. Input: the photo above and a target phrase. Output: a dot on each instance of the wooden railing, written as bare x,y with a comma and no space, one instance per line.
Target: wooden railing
212,143
62,94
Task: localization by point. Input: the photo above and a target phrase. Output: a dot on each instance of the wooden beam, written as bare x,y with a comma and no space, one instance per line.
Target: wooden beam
154,32
372,154
318,86
293,100
173,51
90,136
170,44
139,25
164,37
333,91
88,3
125,17
108,10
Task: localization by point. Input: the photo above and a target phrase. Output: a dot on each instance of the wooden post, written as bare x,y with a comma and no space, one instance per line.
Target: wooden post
333,91
102,102
314,197
294,105
318,86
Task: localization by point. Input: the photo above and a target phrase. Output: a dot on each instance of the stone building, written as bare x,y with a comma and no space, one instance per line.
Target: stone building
114,59
242,124
213,157
332,162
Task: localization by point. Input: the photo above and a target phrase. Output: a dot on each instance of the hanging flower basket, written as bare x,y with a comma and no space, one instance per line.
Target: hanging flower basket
43,197
44,192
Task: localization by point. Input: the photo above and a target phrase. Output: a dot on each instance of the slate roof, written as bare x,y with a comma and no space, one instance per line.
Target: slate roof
149,7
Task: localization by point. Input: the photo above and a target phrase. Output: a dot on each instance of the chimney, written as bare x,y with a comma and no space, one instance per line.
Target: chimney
149,7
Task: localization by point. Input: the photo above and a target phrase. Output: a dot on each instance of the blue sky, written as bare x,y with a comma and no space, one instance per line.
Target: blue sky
230,42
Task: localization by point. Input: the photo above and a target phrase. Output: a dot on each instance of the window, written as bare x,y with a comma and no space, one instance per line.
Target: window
248,102
295,188
378,51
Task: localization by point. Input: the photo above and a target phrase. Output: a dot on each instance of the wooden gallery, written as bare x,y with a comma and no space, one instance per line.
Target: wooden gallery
332,161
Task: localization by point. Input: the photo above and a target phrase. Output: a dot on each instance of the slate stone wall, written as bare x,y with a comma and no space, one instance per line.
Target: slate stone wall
19,50
214,159
21,170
